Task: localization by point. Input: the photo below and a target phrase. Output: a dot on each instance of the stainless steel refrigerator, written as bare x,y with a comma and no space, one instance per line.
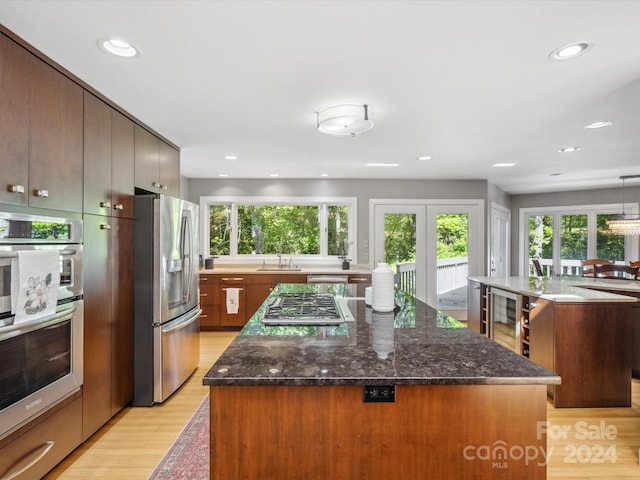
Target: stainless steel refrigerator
167,312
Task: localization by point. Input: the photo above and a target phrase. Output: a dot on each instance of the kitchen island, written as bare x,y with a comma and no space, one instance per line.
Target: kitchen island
580,328
404,394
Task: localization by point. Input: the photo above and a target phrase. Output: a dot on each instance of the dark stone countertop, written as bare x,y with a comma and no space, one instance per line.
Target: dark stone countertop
415,345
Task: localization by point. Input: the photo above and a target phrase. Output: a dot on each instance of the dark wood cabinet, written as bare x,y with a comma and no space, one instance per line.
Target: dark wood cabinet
43,108
108,160
157,165
55,158
122,166
108,317
14,121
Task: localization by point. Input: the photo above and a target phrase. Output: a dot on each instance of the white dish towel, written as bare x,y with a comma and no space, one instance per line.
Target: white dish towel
35,280
233,299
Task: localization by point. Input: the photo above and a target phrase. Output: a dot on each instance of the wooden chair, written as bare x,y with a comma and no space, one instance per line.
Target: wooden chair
589,263
624,272
537,267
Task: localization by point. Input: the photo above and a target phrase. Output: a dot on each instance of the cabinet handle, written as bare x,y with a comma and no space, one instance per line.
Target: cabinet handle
105,226
532,305
41,193
16,188
203,279
238,279
156,184
105,204
118,206
28,461
232,287
203,315
204,294
359,279
165,187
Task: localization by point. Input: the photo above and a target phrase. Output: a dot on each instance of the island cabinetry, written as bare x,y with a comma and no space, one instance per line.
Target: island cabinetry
210,302
478,307
108,317
588,345
44,108
419,432
108,160
157,165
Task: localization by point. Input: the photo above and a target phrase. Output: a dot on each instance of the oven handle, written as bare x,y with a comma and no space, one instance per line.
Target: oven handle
28,461
26,327
15,254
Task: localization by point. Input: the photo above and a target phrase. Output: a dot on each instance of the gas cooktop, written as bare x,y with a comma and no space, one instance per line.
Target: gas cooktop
304,309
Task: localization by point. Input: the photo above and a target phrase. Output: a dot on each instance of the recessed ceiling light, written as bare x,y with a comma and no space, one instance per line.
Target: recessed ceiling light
120,48
274,174
324,174
569,149
570,51
382,164
230,157
223,174
424,157
503,164
598,125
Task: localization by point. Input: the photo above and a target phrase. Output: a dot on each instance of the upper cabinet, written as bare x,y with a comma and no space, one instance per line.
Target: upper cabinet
157,164
41,125
108,160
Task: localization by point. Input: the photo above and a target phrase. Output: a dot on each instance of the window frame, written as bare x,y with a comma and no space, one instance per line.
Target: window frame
322,202
592,211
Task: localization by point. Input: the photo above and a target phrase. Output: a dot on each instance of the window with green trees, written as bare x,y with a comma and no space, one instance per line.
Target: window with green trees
297,227
583,233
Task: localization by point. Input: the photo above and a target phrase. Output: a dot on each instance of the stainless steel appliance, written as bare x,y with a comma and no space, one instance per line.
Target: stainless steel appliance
306,308
167,313
41,359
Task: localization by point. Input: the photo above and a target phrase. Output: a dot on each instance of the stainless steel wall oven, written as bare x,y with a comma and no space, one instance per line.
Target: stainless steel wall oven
40,359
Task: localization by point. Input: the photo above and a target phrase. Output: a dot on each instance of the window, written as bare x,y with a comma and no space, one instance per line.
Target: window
301,227
560,237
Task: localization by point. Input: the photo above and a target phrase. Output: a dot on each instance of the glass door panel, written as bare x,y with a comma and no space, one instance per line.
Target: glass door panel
610,247
541,243
452,255
573,243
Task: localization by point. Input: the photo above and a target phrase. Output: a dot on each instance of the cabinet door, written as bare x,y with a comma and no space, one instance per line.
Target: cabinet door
147,158
97,274
209,302
256,295
122,261
55,164
122,165
169,170
228,319
474,305
97,156
14,121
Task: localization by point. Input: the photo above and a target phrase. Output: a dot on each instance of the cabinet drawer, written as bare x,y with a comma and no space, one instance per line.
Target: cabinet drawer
54,435
209,294
232,280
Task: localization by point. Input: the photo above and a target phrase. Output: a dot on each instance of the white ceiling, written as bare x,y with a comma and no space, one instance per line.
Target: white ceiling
467,82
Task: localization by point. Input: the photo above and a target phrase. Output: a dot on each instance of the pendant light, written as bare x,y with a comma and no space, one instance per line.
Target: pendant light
625,224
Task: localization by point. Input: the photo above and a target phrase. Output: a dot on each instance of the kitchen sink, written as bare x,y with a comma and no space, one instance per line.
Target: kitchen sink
278,269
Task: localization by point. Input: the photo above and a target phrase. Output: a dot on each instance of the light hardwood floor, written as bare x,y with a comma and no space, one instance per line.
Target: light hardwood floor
131,444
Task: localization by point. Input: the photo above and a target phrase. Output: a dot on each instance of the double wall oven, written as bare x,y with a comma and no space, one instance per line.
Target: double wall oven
40,359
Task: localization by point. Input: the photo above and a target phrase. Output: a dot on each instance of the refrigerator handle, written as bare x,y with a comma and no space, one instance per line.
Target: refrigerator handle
187,257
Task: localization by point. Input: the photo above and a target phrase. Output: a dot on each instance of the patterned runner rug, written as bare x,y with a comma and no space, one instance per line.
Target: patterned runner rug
188,457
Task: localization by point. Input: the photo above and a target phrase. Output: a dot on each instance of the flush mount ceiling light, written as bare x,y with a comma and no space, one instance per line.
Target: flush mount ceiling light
119,48
569,149
344,120
598,125
625,224
570,51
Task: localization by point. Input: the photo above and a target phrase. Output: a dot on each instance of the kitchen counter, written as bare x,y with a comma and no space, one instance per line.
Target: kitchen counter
273,268
387,395
567,289
418,346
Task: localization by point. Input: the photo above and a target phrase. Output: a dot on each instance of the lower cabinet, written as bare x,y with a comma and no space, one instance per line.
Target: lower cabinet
43,443
108,316
249,292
